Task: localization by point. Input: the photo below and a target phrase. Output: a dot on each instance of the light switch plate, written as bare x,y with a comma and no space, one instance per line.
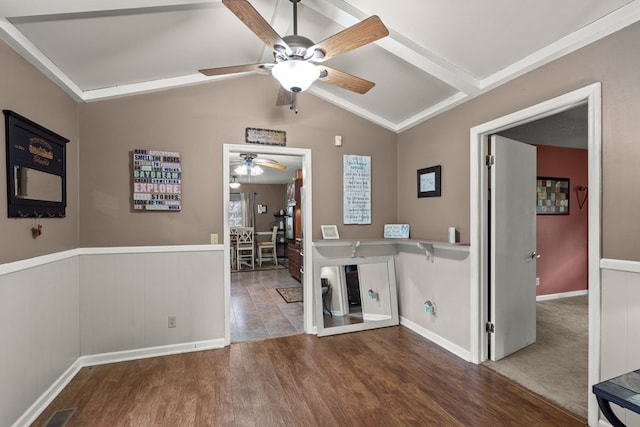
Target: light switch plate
214,239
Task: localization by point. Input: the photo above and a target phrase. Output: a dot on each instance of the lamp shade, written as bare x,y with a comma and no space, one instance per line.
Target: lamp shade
243,170
295,75
234,183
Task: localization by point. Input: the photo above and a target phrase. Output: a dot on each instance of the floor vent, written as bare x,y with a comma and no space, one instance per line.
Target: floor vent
60,418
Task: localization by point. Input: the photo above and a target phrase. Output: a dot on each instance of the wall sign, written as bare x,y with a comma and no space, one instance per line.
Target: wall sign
265,136
157,180
356,180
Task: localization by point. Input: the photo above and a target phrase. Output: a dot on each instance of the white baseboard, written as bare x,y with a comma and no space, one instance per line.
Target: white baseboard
100,359
144,353
436,339
562,295
47,397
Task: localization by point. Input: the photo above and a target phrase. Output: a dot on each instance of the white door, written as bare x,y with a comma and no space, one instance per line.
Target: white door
513,245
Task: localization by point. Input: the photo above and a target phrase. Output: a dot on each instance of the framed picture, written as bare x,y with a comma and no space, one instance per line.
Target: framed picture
329,232
429,181
552,196
265,136
396,231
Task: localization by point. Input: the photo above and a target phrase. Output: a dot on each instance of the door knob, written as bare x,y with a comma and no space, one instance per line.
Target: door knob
534,255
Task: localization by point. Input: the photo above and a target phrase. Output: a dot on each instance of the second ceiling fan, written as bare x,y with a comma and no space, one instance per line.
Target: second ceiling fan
298,61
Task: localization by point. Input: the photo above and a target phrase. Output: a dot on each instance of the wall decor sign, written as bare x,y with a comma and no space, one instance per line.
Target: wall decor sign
356,182
429,181
552,196
265,136
157,180
396,231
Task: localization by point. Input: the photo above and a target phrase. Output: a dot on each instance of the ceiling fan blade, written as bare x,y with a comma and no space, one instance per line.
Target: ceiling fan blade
344,80
270,164
360,34
285,97
234,69
256,23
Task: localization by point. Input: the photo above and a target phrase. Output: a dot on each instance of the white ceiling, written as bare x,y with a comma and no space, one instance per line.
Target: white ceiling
438,54
270,175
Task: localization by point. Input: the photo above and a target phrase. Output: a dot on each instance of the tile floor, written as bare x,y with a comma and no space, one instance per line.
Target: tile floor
257,309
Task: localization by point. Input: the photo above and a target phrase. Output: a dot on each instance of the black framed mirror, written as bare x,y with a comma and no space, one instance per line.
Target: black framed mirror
36,169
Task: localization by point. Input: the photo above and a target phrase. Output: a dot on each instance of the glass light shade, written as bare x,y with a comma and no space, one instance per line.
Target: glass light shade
295,75
234,184
243,170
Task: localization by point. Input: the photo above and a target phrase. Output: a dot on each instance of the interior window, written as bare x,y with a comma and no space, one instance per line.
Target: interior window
235,210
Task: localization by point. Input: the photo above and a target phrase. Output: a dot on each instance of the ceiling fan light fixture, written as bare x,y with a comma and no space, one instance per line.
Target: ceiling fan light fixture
295,75
243,170
234,184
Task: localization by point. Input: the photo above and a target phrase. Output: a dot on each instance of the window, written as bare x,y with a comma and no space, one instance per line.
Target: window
235,210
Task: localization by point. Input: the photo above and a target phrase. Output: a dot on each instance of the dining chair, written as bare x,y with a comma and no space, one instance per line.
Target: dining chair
267,249
244,247
232,245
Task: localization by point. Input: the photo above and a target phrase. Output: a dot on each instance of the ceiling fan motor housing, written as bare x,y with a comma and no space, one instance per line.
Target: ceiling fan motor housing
298,45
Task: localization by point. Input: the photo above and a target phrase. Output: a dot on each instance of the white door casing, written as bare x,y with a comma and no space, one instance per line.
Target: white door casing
478,280
513,245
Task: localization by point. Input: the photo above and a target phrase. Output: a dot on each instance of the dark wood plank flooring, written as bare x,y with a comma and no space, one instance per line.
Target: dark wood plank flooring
383,377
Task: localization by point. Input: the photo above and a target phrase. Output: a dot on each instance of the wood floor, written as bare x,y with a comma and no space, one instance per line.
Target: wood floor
383,377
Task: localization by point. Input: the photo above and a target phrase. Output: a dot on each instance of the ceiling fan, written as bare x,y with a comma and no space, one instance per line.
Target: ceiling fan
250,165
298,61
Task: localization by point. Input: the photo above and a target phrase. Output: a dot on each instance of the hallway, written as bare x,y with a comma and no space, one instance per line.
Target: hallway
257,309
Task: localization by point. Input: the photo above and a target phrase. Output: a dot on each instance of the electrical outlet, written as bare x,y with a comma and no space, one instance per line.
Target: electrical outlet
172,322
537,281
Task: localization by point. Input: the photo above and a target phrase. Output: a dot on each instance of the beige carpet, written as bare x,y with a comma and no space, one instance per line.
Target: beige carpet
556,366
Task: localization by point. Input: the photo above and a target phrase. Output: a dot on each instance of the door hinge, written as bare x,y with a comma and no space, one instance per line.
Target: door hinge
490,160
490,327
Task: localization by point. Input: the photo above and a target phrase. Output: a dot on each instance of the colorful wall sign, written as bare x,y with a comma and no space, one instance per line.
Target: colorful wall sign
157,180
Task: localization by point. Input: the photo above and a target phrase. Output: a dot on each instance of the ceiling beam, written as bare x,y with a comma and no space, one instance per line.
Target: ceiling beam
400,46
32,8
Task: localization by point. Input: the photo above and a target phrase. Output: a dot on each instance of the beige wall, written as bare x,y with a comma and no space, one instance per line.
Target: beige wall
272,195
615,62
197,121
29,93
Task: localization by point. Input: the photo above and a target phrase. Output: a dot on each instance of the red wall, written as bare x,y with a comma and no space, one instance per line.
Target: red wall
562,240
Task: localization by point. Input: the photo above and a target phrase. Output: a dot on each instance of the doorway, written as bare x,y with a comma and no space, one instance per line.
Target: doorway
304,155
557,303
479,220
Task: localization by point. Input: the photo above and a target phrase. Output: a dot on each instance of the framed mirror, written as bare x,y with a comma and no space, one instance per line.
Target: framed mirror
354,294
36,169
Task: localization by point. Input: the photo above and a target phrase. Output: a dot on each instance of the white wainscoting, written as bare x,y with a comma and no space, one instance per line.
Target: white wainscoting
620,323
40,332
126,299
443,278
100,305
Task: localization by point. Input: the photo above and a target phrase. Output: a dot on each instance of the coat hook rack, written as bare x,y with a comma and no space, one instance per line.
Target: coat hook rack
582,194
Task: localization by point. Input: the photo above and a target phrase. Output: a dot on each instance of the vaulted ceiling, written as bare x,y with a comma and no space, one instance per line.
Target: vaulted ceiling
438,54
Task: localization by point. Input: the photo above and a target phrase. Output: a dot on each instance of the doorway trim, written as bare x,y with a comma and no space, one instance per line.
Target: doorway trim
479,238
307,205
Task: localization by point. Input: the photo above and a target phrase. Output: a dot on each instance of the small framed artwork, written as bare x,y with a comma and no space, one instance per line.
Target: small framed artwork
396,231
552,196
329,232
429,181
